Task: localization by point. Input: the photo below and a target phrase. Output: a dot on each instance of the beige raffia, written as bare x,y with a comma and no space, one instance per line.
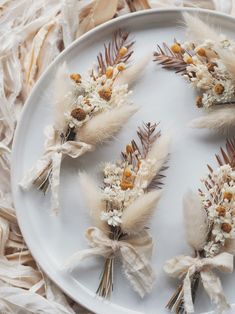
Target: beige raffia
32,34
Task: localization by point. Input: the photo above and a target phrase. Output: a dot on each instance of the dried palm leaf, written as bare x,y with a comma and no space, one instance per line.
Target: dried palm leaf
170,60
113,52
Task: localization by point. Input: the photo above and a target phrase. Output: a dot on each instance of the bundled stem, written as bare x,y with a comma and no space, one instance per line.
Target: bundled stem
105,287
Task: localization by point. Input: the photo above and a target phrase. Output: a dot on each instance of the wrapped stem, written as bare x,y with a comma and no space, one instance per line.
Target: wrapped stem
106,283
176,303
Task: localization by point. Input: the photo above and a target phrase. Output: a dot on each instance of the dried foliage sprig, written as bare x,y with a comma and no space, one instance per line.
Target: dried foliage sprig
122,210
210,231
206,60
88,109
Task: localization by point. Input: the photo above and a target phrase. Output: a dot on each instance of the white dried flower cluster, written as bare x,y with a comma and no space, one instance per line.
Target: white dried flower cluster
95,94
219,204
115,192
112,217
123,184
207,72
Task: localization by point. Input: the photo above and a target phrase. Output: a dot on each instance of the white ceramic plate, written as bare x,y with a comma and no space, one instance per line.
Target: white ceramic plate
163,96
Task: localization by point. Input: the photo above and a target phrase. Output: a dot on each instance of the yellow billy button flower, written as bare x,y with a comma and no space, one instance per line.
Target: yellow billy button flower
219,89
121,66
199,102
76,77
109,72
221,211
126,185
201,52
127,173
176,48
129,149
105,93
228,196
122,51
79,114
189,60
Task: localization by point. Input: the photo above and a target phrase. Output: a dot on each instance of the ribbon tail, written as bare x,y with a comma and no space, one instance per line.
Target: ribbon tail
188,299
214,289
34,173
71,263
55,181
137,270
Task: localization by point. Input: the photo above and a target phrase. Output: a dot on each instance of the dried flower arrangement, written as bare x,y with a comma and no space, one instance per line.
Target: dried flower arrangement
207,61
121,210
89,109
210,231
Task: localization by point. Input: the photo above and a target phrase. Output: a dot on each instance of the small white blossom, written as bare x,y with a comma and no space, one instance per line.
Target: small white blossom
113,217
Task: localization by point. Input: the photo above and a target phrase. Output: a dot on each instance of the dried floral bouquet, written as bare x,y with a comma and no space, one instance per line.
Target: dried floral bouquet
207,61
210,231
122,209
89,109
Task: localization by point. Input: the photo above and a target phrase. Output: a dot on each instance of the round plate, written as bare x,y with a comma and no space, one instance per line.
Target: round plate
162,96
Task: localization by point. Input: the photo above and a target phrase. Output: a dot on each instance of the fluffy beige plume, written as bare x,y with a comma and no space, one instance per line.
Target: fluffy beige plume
195,220
197,30
62,86
228,58
221,117
159,152
229,246
93,199
137,215
132,74
104,125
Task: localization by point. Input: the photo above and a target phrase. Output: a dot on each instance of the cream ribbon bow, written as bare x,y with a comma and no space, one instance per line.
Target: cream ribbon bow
134,253
54,153
187,265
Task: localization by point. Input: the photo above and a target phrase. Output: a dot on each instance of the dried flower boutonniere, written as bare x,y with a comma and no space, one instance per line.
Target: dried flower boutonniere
210,231
207,61
89,109
121,210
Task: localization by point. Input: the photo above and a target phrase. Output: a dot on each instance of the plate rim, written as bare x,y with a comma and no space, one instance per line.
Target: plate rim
117,309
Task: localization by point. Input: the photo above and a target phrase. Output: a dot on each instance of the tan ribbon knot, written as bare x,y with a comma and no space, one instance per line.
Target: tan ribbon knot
136,266
187,266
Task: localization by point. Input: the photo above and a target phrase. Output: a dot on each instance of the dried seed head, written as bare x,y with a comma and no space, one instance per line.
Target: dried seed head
176,48
211,66
199,102
126,185
109,72
228,196
201,52
79,114
226,227
76,77
105,93
122,51
121,66
221,211
219,89
129,149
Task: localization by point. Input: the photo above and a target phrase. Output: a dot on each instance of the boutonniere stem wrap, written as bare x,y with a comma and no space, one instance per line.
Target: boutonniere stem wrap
122,210
88,109
206,60
210,230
